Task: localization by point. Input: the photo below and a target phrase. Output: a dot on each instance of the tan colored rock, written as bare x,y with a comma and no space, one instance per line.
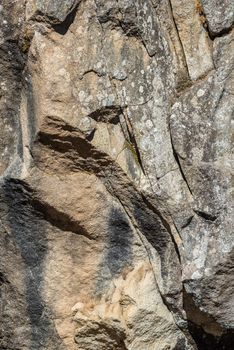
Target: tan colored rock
116,175
193,36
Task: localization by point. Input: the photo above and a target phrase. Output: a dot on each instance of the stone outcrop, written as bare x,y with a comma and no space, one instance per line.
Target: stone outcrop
116,194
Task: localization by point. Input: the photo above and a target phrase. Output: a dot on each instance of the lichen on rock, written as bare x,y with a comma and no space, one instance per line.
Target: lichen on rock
116,191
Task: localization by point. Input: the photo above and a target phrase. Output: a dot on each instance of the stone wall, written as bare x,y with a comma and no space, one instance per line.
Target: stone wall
116,165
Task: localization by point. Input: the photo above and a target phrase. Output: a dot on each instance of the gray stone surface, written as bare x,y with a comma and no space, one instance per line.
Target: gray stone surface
219,15
116,192
56,10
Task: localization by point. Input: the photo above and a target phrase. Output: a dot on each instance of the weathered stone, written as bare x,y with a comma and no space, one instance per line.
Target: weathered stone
219,15
56,10
116,175
193,36
203,143
11,66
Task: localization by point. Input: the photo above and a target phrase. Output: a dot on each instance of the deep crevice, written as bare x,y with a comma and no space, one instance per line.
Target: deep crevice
205,24
3,278
63,27
188,222
206,341
181,170
206,216
107,114
222,33
176,156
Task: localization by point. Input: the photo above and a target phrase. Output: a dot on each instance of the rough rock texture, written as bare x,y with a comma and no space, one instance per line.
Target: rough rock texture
116,187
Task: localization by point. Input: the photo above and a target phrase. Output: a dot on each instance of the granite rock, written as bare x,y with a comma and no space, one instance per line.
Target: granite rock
116,188
219,15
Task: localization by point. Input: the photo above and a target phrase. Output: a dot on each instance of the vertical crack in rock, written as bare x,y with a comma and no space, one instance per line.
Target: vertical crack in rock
133,141
177,159
181,170
178,35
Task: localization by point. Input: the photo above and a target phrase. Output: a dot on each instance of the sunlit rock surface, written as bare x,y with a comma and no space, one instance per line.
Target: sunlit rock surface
116,165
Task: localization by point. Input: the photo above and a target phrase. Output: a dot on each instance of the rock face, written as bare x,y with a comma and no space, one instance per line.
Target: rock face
116,188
